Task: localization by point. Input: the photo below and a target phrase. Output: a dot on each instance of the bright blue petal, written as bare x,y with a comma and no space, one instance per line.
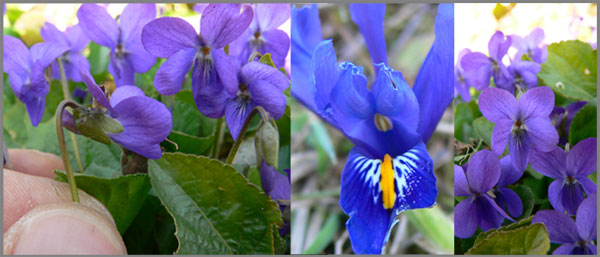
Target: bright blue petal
326,73
369,19
434,84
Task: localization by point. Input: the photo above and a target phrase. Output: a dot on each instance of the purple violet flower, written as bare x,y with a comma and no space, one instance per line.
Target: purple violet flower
263,35
523,123
562,117
76,41
480,208
460,82
575,237
530,45
26,68
146,121
260,84
505,197
278,187
570,171
523,74
127,54
176,39
479,68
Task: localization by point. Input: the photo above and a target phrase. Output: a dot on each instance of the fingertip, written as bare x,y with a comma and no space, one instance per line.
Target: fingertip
34,162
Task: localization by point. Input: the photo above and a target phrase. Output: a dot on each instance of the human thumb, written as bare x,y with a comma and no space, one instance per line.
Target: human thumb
63,228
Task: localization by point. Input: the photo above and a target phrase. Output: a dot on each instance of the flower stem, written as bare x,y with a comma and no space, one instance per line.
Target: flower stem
67,96
218,138
63,147
240,138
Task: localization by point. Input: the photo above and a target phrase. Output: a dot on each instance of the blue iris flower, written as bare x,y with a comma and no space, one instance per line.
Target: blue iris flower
389,170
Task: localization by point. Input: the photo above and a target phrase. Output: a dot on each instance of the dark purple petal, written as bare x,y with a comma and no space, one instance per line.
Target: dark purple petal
132,20
498,209
146,123
461,186
277,42
477,69
16,83
511,201
519,147
276,185
170,76
122,71
572,196
266,85
98,25
500,135
586,219
225,67
465,218
50,33
124,93
489,218
271,16
526,70
498,46
46,53
95,90
236,113
536,103
564,249
582,159
369,19
572,109
497,104
542,134
16,56
209,95
509,174
139,58
561,228
223,23
551,164
483,171
77,38
35,107
165,36
555,191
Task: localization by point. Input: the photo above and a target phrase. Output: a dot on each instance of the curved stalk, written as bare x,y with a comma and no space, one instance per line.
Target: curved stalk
63,147
67,96
240,137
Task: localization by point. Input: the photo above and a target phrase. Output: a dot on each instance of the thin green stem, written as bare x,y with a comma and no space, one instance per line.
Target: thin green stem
240,137
67,96
63,147
218,138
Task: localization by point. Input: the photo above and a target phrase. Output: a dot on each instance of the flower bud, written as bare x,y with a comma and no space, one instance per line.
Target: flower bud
267,144
94,123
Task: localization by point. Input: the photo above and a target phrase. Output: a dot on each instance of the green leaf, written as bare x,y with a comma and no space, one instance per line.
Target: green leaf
527,198
216,210
187,119
464,115
152,231
254,177
483,129
525,240
486,234
320,138
432,223
570,70
188,144
325,235
266,59
123,196
583,124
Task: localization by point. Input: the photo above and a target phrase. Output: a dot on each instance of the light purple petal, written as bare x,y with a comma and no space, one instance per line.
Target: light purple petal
77,38
165,36
500,135
514,205
536,36
271,16
95,90
536,103
140,59
509,174
225,66
465,218
277,42
265,84
369,19
542,134
50,33
589,187
236,113
586,219
483,171
46,53
170,76
497,104
582,159
564,249
223,23
133,18
123,93
561,228
199,8
122,71
461,186
76,62
555,195
146,123
498,46
16,56
98,25
551,164
519,146
477,69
